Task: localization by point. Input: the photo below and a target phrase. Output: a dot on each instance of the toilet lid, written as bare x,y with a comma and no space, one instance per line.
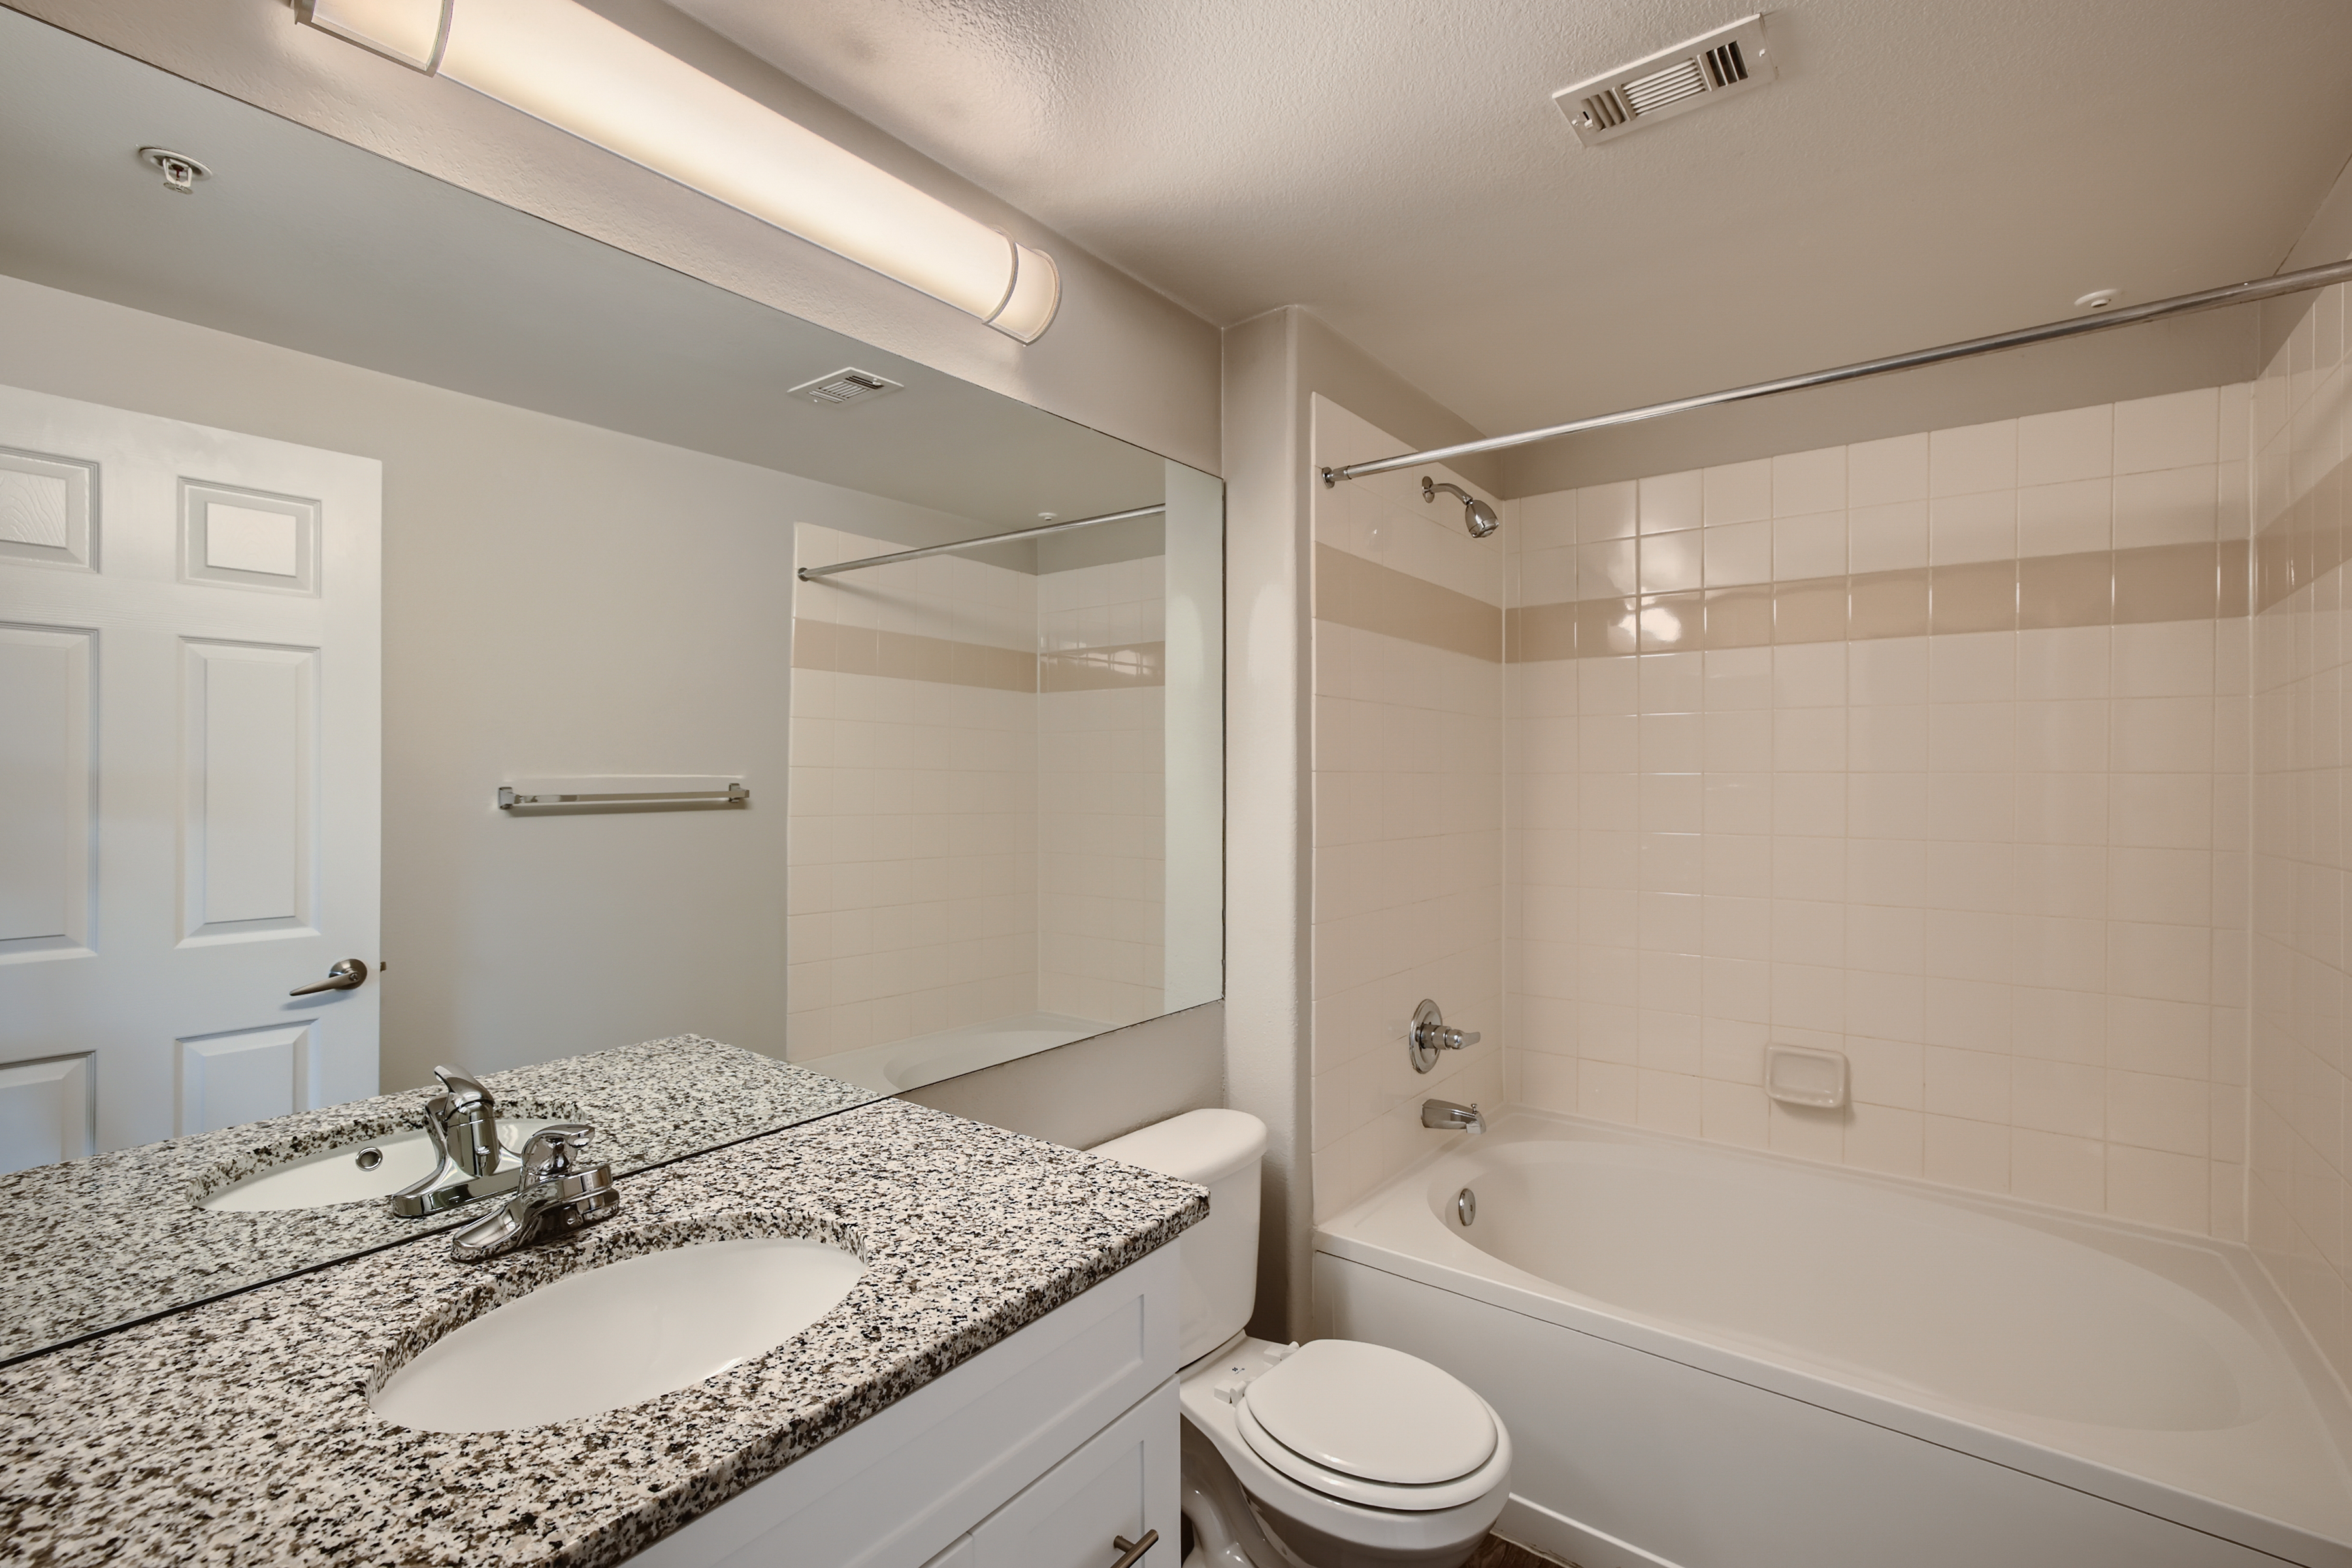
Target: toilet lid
1372,1413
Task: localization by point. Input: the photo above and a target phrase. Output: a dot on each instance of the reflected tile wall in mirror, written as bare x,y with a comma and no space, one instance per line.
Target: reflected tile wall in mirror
985,805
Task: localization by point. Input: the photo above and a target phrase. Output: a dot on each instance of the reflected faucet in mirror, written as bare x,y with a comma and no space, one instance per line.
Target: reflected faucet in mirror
463,1122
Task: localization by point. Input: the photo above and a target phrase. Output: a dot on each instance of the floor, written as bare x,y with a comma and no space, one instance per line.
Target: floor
1496,1553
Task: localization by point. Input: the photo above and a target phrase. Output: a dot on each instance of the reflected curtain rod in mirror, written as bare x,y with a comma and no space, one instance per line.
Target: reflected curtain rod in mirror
811,573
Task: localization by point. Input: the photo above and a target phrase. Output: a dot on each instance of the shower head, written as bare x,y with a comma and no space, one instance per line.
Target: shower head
1476,515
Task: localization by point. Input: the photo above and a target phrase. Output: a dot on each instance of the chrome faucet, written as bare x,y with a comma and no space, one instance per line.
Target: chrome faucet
558,1193
463,1122
1453,1117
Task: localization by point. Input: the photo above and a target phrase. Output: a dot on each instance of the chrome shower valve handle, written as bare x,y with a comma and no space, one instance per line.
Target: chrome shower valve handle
1430,1034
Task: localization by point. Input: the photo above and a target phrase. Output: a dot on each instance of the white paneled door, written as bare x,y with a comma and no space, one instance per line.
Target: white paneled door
189,762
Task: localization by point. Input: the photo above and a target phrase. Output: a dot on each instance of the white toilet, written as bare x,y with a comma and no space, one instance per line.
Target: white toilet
1335,1454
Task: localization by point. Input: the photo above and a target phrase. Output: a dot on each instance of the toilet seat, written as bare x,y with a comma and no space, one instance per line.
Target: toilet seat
1322,1517
1371,1426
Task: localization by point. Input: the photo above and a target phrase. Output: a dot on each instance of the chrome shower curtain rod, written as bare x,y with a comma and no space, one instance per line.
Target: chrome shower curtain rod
2105,320
811,573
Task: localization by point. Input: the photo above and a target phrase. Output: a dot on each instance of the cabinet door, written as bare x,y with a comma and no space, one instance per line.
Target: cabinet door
1121,1485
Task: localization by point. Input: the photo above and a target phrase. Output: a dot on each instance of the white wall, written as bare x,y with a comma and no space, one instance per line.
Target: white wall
1274,364
557,599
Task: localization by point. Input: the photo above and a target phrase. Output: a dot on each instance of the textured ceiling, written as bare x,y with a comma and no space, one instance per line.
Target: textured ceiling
1919,173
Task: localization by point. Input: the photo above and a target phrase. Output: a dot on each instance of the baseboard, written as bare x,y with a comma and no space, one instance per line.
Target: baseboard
1539,1528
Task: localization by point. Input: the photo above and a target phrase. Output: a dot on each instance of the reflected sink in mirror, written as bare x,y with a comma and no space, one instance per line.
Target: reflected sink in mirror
348,1176
619,1335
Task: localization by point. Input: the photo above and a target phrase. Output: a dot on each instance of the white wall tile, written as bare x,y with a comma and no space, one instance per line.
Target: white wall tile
1808,546
1972,458
2073,444
1894,469
2169,432
1737,492
1888,538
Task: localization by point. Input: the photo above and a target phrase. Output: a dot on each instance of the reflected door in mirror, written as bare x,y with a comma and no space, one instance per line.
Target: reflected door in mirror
189,764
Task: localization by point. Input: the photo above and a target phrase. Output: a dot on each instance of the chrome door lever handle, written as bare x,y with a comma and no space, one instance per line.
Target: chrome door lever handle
344,975
1131,1551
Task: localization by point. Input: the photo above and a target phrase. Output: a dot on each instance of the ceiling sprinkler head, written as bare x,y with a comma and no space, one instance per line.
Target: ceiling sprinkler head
180,171
2099,299
1476,515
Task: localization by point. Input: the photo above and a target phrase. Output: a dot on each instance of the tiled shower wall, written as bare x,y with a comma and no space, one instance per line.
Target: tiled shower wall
1408,769
1930,750
1102,812
2300,1201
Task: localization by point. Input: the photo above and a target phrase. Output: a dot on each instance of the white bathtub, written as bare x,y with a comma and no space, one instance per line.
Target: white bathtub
1714,1359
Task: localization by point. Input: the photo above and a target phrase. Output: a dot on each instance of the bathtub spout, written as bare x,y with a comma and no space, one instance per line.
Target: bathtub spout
1453,1117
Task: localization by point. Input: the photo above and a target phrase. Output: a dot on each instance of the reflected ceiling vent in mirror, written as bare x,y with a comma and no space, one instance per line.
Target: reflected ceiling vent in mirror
1693,74
845,387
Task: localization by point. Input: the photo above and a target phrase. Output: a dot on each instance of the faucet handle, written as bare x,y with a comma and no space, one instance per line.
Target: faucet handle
465,1089
555,1152
1430,1034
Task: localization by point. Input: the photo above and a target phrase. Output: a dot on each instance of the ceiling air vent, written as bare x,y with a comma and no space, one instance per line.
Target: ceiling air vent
1689,75
844,387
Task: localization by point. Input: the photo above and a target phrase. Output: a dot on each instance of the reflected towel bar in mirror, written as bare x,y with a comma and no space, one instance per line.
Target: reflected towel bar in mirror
672,791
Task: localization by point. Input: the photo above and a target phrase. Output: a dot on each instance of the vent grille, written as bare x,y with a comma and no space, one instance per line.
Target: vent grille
1649,94
1689,75
848,386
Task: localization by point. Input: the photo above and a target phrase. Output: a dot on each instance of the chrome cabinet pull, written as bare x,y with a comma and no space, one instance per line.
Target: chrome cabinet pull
1133,1550
344,975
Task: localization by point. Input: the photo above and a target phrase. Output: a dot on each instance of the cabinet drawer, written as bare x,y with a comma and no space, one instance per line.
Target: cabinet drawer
1121,1484
902,1486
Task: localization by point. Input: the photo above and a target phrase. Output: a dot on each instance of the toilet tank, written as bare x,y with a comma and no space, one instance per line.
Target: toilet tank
1220,1150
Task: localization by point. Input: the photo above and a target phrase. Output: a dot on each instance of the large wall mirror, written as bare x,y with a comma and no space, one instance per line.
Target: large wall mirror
437,701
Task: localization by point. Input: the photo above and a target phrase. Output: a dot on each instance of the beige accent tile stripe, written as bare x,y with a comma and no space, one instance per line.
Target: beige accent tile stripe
2307,540
858,650
2097,588
1111,668
1371,597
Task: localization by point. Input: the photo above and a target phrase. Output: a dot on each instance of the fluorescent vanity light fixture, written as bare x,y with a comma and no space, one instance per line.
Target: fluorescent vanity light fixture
560,62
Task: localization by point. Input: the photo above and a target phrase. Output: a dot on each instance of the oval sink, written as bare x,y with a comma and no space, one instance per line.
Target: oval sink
619,1335
341,1176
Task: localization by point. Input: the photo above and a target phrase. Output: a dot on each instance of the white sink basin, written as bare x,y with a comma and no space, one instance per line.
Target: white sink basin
619,1335
338,1176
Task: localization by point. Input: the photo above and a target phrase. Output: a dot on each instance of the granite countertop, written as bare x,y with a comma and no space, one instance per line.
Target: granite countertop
92,1243
239,1432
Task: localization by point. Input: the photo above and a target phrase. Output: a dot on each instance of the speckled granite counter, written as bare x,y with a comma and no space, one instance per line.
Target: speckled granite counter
107,1240
238,1432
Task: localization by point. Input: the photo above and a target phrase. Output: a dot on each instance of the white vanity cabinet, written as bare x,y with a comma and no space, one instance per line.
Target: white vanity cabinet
1036,1453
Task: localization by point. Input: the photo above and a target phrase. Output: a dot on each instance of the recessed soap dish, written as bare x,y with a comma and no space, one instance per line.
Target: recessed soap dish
1800,1075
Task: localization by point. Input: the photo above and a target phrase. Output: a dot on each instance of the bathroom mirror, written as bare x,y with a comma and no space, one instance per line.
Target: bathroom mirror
403,666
